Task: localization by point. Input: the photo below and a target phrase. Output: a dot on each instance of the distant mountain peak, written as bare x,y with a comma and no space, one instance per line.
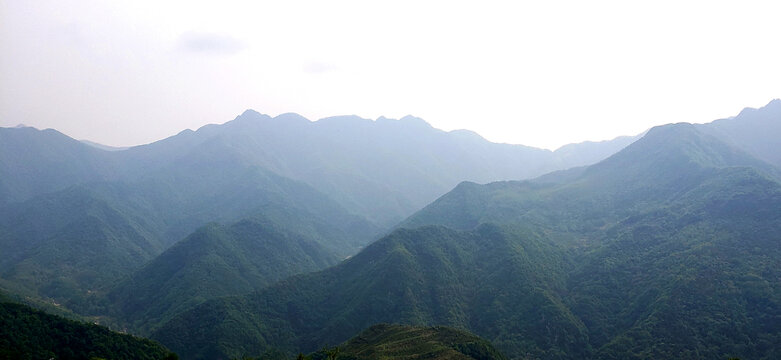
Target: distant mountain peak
673,151
290,116
673,128
250,113
665,138
21,127
752,130
344,120
249,116
409,119
773,106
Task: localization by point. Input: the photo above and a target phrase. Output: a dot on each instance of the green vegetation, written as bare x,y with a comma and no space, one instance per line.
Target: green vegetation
386,341
393,341
75,245
216,261
30,334
667,249
69,245
430,275
674,245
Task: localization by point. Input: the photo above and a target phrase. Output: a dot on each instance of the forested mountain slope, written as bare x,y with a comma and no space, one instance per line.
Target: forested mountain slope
26,333
216,261
431,275
285,195
668,248
79,241
75,219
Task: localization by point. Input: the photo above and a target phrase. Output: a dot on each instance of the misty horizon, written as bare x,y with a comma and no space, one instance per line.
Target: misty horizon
540,74
98,143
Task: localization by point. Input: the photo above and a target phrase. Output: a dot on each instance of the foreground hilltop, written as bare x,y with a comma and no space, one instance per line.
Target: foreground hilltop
387,341
26,333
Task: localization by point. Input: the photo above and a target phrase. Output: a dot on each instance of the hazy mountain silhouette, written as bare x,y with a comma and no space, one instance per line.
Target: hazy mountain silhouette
384,169
76,218
79,241
34,161
753,130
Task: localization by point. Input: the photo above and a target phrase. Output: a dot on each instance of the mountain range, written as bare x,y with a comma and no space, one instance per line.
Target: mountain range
669,248
385,169
285,235
76,219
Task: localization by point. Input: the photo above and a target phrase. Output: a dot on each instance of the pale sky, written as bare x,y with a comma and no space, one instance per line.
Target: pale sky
538,73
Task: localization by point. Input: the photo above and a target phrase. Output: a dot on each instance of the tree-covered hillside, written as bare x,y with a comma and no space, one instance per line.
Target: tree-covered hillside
669,248
386,341
69,244
216,261
26,333
431,275
75,219
74,243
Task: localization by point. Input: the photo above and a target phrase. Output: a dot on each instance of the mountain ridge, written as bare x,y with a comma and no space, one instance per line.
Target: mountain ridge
682,191
214,261
352,158
520,271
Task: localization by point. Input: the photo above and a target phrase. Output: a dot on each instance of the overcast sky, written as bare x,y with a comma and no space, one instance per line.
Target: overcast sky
539,73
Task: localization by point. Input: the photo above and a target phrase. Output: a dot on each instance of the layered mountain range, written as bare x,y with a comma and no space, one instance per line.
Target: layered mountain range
668,248
77,219
285,235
